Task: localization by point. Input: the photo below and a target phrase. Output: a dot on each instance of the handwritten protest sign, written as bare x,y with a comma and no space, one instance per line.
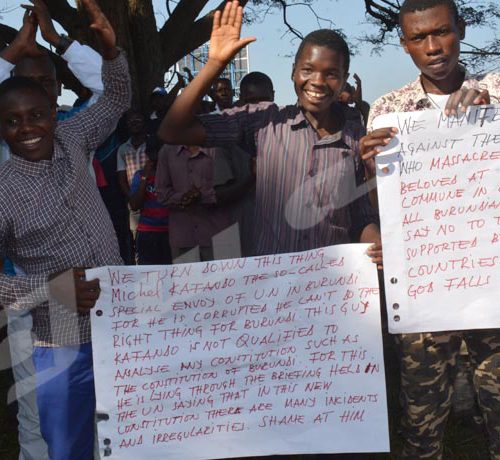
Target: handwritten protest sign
439,195
266,355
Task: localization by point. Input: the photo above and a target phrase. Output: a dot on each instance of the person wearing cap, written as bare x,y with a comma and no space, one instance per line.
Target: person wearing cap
131,157
157,101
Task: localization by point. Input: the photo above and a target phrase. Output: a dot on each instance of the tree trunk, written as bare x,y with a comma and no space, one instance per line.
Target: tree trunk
151,51
150,68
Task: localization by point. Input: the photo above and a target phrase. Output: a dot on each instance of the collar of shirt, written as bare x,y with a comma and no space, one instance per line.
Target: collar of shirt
129,144
37,168
184,148
30,168
417,96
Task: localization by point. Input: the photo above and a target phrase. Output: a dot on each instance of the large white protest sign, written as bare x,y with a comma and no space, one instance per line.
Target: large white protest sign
439,196
267,355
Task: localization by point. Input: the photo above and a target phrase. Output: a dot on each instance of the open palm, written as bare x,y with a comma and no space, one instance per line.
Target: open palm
27,35
225,40
100,25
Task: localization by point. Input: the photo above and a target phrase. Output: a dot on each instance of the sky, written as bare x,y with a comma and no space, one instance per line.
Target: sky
273,51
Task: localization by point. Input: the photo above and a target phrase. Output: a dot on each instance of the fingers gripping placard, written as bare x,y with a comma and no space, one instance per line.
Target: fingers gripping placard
258,356
439,198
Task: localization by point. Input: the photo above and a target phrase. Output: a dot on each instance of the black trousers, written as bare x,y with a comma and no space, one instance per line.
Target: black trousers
153,248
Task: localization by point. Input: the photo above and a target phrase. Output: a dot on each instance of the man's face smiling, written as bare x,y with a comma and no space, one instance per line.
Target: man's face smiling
432,38
319,75
27,124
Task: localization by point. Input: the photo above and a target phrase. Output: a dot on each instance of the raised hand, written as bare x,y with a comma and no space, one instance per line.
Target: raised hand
358,92
225,41
41,13
100,24
24,45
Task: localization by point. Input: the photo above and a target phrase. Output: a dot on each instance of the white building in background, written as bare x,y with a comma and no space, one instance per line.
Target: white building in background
194,61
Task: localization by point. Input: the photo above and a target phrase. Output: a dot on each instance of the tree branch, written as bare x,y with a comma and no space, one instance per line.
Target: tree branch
191,38
388,17
185,12
167,5
292,29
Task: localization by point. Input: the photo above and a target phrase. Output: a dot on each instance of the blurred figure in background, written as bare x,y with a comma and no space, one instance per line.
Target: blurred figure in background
352,98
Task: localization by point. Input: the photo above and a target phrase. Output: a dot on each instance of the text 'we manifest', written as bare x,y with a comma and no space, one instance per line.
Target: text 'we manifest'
439,195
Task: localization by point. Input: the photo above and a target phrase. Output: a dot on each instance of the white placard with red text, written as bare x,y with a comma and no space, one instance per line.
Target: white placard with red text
259,356
439,196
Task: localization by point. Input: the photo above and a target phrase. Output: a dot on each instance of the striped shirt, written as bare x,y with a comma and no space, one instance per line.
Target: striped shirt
154,216
52,217
309,190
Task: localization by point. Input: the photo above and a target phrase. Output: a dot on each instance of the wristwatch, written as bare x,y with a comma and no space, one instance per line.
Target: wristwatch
63,44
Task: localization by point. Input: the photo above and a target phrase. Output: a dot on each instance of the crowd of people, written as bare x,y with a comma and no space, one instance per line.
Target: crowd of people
203,176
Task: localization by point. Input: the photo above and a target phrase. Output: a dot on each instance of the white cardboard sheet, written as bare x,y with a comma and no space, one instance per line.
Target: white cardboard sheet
259,356
439,197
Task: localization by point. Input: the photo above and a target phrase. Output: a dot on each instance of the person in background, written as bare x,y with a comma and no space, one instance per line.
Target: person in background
222,93
25,59
132,154
131,157
112,195
352,98
431,35
256,87
152,240
53,221
185,184
308,165
83,61
157,102
153,143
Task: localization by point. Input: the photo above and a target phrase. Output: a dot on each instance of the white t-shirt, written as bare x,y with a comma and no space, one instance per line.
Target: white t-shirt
438,101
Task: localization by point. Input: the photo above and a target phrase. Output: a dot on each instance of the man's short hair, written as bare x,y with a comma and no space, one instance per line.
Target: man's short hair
257,79
329,39
410,6
223,80
14,84
43,61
